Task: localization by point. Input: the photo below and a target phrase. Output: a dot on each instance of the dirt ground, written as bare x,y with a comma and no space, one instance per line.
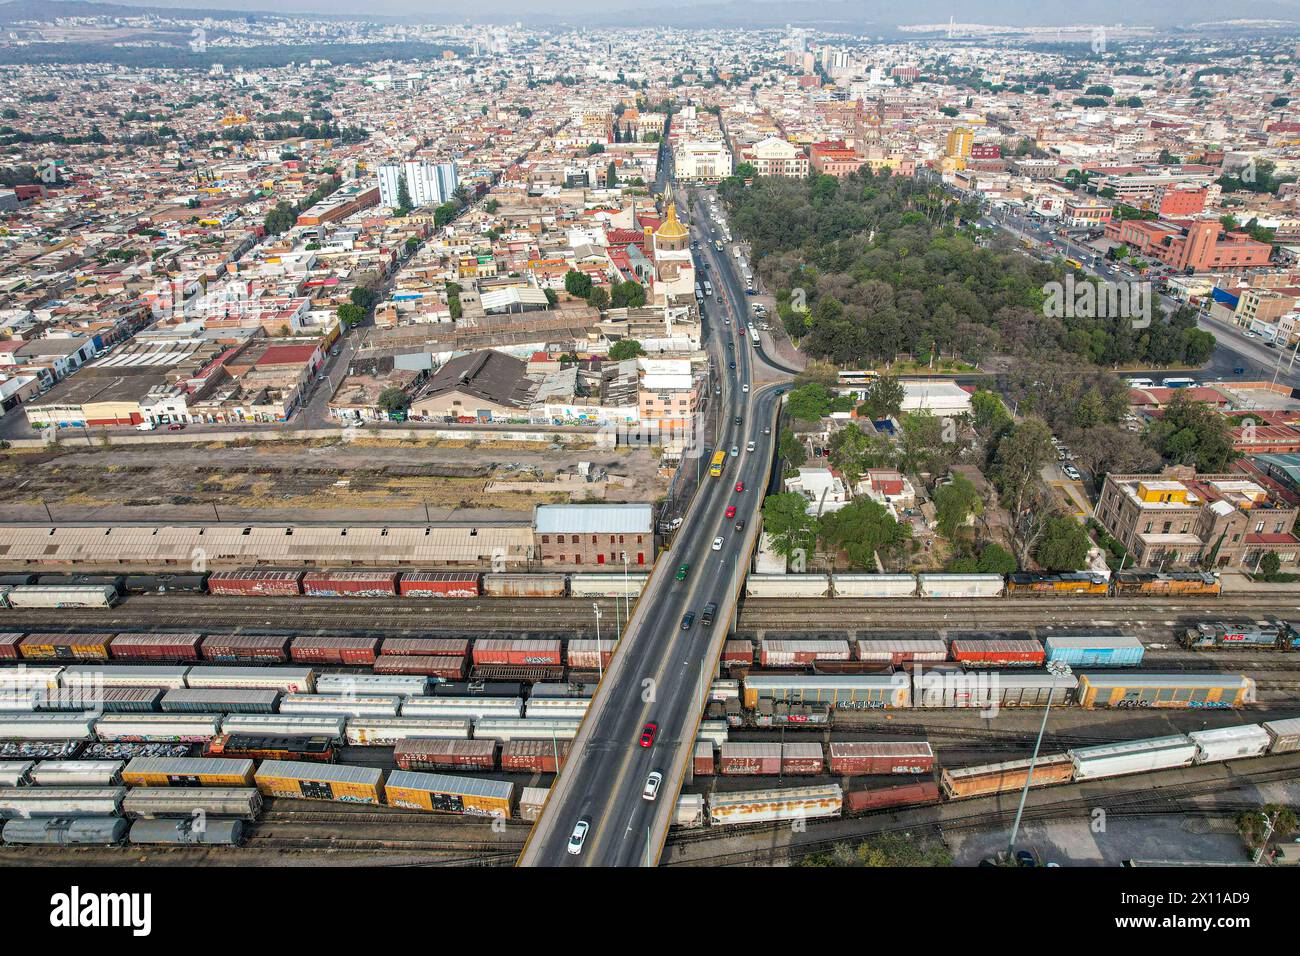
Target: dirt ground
327,480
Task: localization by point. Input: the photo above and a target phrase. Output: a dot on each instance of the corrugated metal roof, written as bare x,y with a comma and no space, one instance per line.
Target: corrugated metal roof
593,519
334,773
190,766
229,544
448,783
1164,680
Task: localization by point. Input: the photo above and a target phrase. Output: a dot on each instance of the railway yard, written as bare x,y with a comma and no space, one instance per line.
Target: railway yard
761,730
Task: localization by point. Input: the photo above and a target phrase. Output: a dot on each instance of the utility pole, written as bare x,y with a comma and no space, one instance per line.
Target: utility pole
1056,669
600,663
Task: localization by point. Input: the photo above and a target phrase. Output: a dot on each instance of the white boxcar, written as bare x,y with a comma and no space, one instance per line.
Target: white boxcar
689,811
289,680
556,707
184,728
1285,735
471,707
404,685
78,773
340,705
166,676
63,595
387,731
148,803
1230,743
787,585
510,728
959,585
23,803
45,726
286,725
13,773
531,800
21,677
608,585
873,585
1132,756
763,806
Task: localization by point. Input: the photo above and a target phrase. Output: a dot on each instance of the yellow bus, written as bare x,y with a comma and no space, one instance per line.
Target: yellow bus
715,466
1074,264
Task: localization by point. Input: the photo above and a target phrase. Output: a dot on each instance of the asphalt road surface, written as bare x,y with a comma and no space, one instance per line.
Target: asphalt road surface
661,671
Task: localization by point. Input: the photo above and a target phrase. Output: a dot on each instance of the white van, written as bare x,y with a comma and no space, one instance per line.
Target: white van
145,427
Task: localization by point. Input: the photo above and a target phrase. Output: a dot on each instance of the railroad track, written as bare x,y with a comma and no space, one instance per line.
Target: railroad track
1143,802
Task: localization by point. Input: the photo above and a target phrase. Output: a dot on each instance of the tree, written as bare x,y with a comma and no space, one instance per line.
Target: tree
954,503
393,399
928,444
884,850
1020,458
403,196
611,175
990,418
809,403
1063,546
787,523
625,349
1270,564
790,448
884,398
577,284
598,298
1192,433
445,214
995,559
853,451
861,529
351,314
627,295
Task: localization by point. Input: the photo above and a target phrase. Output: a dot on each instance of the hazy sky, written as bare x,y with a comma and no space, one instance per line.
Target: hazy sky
757,12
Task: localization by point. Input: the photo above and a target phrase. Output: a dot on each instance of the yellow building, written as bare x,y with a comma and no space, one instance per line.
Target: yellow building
960,141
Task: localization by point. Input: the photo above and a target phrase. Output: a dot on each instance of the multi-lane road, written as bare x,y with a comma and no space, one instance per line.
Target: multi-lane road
661,670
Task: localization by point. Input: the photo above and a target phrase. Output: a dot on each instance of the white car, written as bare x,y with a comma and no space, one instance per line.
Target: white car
717,543
745,387
578,837
651,788
734,451
1071,472
749,446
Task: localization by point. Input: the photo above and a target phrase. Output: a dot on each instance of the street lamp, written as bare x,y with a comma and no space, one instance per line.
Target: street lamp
600,663
1056,669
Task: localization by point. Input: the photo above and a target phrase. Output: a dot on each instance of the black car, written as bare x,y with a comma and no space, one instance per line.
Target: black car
688,619
739,419
740,525
706,616
731,365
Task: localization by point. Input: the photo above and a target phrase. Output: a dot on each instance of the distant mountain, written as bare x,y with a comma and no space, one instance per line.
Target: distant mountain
17,11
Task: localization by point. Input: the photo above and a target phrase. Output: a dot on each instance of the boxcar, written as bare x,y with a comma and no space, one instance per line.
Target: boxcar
537,756
419,753
426,646
9,645
149,803
341,705
984,689
748,759
64,647
861,692
444,793
524,585
351,583
181,728
1165,690
188,772
763,806
23,803
210,700
163,583
510,728
1283,734
166,676
47,726
471,707
1005,776
155,647
959,585
880,798
997,652
110,700
288,680
284,725
517,651
421,665
402,685
255,581
853,757
246,648
884,648
1101,648
436,584
387,731
314,649
800,653
1230,743
314,781
77,773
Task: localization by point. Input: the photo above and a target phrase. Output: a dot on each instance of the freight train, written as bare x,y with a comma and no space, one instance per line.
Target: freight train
1243,635
103,590
165,789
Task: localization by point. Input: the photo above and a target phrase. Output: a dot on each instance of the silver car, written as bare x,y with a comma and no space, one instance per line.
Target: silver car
578,837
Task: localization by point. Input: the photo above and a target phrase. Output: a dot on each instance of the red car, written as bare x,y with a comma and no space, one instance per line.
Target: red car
731,511
742,330
740,486
648,734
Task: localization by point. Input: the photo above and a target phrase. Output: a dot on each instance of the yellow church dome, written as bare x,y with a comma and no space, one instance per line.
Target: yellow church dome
672,229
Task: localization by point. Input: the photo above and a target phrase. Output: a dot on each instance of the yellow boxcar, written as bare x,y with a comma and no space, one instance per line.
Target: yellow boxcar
314,781
64,647
1182,691
188,772
447,793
